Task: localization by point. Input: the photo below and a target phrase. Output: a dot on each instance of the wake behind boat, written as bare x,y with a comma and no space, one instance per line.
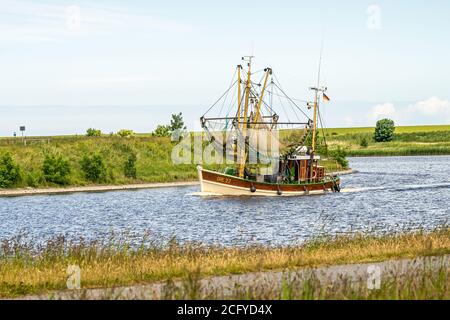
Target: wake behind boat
269,151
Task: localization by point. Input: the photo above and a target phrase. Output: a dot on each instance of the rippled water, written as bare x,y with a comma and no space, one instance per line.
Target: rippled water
386,195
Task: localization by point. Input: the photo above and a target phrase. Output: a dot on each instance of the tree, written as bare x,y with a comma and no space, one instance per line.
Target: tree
177,123
9,171
94,167
56,169
91,132
384,130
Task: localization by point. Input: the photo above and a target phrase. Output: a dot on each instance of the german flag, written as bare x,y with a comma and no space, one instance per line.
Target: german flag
325,98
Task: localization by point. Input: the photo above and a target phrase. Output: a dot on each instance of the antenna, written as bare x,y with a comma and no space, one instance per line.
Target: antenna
320,64
248,59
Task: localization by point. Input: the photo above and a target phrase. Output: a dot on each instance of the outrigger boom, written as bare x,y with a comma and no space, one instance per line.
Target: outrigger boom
293,171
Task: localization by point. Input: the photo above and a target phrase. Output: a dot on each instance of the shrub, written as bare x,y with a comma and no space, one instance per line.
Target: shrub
384,130
94,167
364,143
33,179
91,132
9,171
130,166
161,131
56,169
340,155
125,133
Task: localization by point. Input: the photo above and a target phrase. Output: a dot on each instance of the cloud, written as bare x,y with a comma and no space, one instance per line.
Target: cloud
380,111
431,107
429,111
31,21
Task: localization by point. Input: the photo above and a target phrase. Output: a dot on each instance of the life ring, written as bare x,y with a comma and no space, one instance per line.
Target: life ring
314,175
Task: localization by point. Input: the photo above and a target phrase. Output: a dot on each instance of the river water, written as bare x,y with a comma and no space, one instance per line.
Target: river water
387,194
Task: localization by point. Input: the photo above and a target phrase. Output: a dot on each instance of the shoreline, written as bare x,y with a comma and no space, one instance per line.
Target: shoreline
107,188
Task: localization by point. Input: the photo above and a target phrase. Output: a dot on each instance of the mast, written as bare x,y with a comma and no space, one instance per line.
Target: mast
239,67
258,107
316,90
243,158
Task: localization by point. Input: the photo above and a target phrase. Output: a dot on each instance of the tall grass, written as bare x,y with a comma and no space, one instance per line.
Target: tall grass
429,281
29,269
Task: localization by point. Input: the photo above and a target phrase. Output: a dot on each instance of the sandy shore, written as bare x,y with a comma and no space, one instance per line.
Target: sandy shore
32,191
60,190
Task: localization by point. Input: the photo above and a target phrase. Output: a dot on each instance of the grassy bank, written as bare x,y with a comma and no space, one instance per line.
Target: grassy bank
408,141
153,160
25,269
152,155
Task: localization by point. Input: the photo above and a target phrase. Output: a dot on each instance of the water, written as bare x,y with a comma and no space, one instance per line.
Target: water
386,195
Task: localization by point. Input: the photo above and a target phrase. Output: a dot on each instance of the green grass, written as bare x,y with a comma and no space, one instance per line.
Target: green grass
408,141
399,129
154,162
29,269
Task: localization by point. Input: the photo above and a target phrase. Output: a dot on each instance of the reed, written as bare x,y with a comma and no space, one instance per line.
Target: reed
428,282
29,269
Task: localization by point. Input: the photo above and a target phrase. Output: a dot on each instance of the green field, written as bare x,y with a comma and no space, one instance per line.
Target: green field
408,141
400,129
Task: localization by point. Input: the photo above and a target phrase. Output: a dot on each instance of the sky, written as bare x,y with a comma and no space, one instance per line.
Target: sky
66,66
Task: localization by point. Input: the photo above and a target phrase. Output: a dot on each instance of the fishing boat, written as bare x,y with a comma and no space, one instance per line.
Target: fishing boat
255,108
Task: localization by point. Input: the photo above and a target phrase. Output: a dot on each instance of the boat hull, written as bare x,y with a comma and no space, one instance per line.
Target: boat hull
212,182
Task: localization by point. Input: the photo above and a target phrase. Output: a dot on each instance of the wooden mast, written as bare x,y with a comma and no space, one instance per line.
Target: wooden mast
238,116
243,157
258,107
